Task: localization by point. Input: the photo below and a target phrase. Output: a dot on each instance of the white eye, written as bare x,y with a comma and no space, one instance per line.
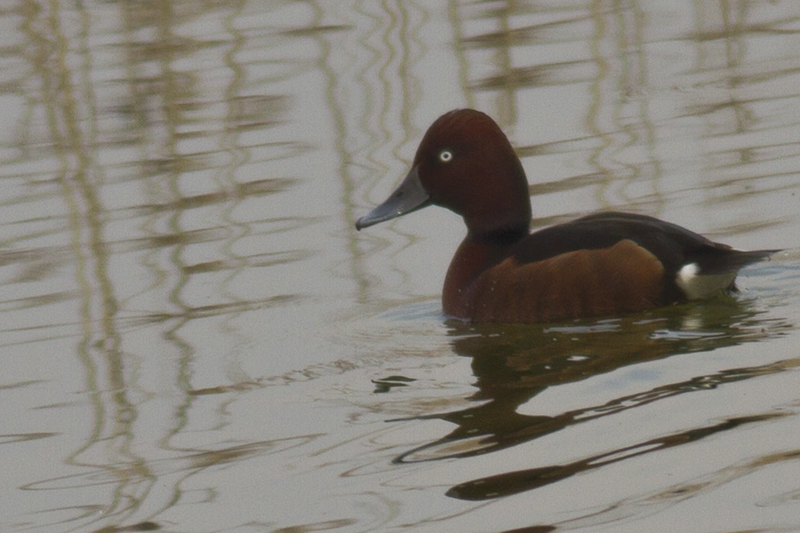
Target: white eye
445,156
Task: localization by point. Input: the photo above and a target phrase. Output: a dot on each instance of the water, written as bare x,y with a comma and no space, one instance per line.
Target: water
197,339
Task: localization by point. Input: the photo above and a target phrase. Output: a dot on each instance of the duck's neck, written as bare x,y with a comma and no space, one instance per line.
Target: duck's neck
475,255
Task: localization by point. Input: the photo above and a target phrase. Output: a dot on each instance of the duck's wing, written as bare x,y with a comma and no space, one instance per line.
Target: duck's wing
673,245
694,266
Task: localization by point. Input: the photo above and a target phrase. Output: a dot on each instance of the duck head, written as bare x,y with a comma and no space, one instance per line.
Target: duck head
466,164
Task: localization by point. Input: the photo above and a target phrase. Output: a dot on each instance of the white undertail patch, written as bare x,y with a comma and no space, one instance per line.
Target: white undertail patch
696,285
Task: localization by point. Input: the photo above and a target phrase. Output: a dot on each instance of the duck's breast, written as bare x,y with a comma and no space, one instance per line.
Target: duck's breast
583,283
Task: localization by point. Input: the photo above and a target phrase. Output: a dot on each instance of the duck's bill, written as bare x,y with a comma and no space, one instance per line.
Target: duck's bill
408,197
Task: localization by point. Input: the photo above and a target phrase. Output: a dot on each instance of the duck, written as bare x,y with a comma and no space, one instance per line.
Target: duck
599,265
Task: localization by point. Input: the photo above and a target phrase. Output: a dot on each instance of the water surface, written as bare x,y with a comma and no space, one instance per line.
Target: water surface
197,339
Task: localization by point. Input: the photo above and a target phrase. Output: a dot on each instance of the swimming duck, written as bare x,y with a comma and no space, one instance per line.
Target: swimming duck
602,264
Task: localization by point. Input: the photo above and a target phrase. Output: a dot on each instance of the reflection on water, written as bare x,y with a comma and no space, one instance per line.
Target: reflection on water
514,364
194,334
514,482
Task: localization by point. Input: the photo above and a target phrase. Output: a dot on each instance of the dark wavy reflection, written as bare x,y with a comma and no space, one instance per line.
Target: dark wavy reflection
513,364
522,480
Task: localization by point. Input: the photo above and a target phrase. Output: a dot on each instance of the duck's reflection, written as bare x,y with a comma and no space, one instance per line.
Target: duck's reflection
512,364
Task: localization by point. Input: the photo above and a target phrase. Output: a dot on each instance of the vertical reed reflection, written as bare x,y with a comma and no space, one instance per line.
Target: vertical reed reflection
371,98
618,114
69,100
153,166
720,32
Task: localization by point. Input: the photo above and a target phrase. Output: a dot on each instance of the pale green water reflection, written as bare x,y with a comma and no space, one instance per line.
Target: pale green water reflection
195,338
